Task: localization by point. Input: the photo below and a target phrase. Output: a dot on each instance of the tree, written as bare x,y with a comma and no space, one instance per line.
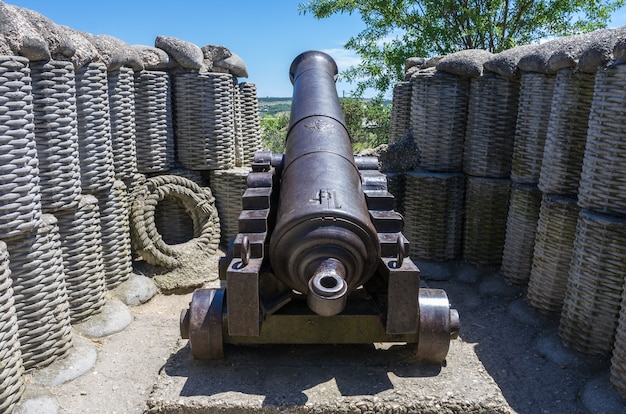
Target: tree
398,29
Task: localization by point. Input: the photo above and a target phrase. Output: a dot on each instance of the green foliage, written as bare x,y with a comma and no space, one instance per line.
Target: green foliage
368,121
399,29
274,132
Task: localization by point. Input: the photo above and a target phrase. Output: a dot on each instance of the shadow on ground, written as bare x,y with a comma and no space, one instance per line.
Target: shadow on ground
287,371
520,348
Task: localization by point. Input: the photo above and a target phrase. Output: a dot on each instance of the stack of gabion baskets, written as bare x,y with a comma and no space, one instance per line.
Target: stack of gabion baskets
433,197
594,289
205,124
558,181
153,118
400,111
492,113
533,115
31,237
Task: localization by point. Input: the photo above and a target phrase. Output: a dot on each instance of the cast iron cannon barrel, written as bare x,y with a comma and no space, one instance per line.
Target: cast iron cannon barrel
324,243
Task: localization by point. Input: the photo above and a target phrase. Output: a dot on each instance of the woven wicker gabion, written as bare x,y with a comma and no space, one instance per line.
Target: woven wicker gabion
205,124
94,128
554,242
154,136
20,196
603,177
400,111
567,132
56,134
438,117
490,131
594,287
237,124
11,381
81,243
199,204
115,230
395,186
486,209
172,221
228,187
41,301
533,114
250,121
121,87
433,207
618,361
521,227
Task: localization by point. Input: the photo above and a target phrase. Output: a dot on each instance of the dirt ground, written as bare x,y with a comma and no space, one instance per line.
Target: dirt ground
507,359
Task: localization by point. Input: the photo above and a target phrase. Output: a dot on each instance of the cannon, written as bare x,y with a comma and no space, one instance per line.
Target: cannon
320,257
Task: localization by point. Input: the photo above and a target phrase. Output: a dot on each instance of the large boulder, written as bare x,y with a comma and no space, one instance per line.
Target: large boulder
154,58
466,63
21,37
602,48
60,45
115,53
234,65
506,63
186,54
84,51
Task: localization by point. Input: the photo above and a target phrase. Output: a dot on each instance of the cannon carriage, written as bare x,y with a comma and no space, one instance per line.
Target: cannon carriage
320,256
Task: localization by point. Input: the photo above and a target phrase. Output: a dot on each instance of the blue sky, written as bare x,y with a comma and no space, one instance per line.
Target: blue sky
266,34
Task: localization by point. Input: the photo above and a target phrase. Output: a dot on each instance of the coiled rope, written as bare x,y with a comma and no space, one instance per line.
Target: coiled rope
199,204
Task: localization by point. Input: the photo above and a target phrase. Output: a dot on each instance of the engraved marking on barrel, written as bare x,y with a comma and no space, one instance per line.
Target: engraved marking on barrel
320,125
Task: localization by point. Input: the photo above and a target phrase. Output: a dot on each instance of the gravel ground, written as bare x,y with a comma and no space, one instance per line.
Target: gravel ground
507,359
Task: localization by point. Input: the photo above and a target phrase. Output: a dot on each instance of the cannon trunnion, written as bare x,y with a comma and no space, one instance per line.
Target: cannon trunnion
320,256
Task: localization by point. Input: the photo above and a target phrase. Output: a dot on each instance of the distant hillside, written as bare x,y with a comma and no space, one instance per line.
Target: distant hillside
269,107
273,106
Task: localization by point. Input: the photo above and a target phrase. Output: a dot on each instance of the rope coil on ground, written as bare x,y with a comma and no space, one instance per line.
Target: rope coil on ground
121,87
41,301
56,134
490,131
94,128
199,204
154,122
11,381
20,197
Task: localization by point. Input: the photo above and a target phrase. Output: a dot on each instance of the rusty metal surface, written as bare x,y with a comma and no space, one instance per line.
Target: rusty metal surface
205,324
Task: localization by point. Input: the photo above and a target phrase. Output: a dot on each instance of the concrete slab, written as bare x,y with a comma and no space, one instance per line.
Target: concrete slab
338,379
